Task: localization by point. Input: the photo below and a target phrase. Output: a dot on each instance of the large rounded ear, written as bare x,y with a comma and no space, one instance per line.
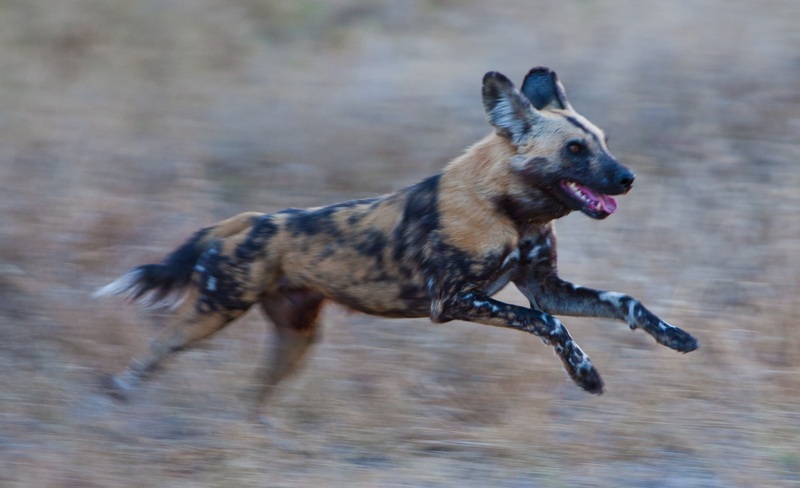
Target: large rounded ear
508,110
543,89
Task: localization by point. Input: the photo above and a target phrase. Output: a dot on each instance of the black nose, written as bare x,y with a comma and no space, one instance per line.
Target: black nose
625,179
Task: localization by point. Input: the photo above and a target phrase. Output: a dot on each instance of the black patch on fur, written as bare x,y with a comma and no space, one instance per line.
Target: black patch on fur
313,222
415,299
320,221
220,280
255,245
420,220
512,208
453,269
523,213
412,293
372,243
355,218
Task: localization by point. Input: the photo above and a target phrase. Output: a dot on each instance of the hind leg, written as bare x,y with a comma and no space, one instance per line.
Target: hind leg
191,323
294,314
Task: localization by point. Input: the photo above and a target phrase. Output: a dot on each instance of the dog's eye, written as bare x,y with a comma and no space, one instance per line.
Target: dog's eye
576,147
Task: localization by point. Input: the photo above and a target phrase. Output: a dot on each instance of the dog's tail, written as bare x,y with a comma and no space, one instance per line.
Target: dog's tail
164,285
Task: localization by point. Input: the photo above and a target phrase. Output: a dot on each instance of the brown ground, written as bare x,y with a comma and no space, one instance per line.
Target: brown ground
125,125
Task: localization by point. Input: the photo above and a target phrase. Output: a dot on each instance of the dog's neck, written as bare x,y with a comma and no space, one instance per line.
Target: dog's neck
482,175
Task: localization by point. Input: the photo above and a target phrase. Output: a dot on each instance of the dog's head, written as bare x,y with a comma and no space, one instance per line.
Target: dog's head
558,153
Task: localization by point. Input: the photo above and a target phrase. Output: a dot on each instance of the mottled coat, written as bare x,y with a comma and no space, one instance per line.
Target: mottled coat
440,249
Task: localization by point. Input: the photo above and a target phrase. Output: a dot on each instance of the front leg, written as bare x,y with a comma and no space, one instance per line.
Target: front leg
473,306
560,297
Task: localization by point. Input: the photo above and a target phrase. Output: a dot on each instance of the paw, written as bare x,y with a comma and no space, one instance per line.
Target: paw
589,379
580,368
114,387
674,338
664,333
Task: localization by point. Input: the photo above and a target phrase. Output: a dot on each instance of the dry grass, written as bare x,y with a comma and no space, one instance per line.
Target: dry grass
126,125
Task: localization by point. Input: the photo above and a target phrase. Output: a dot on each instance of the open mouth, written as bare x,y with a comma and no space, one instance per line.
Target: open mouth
588,201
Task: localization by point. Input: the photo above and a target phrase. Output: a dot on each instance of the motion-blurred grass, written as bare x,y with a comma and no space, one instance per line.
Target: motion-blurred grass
124,126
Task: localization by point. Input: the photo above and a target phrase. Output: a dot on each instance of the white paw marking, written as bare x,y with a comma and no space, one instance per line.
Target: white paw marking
615,299
485,303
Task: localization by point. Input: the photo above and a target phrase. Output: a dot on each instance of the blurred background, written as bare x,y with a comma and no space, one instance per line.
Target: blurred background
125,126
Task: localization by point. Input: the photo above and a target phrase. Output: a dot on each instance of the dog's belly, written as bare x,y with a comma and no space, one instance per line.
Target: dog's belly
368,280
383,298
386,296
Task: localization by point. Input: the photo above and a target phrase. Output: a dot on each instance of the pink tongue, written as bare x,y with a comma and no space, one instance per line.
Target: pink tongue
605,202
608,203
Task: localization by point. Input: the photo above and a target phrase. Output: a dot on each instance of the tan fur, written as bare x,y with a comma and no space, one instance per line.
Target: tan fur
469,186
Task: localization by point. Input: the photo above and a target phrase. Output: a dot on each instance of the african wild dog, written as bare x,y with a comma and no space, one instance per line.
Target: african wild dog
440,249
